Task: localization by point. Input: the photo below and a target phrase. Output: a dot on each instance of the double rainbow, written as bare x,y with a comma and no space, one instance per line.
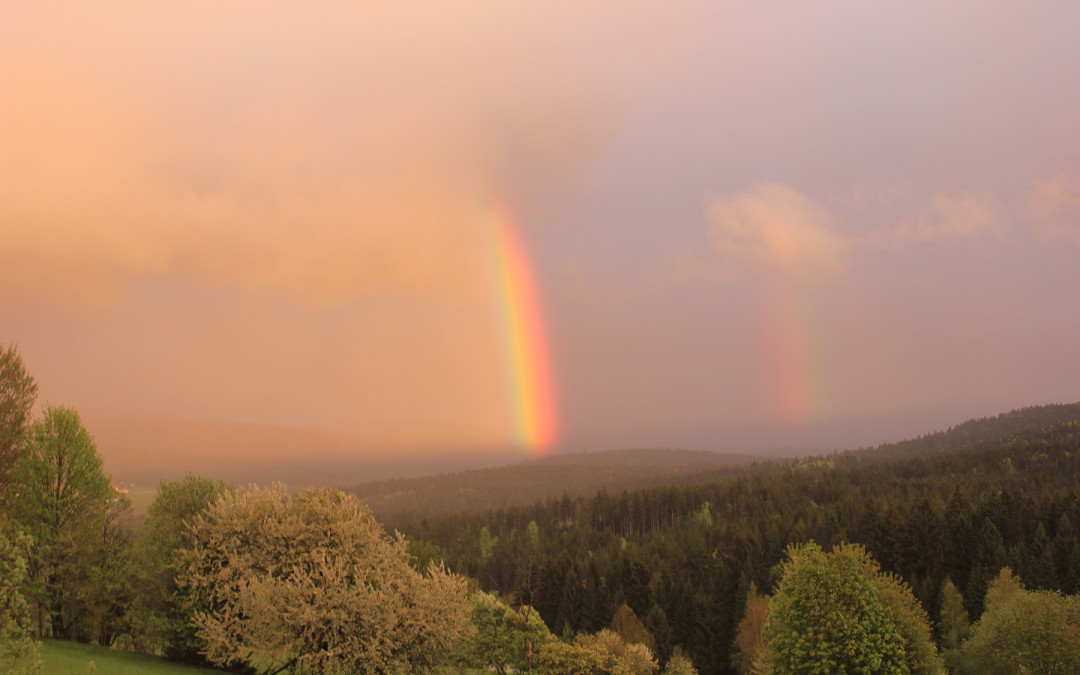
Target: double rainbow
526,353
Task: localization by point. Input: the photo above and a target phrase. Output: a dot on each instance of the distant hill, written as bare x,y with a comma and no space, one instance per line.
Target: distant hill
580,474
145,451
573,474
959,505
976,431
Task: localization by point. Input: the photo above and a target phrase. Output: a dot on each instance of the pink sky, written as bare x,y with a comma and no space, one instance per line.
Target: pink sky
750,224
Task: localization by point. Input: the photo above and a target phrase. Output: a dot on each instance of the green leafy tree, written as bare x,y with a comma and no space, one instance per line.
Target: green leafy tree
111,591
703,516
504,638
1024,631
18,653
838,612
17,394
159,613
679,664
955,625
312,584
604,653
63,500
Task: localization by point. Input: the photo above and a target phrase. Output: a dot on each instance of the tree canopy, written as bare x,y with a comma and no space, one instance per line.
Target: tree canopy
837,612
1024,631
311,582
17,394
160,613
63,499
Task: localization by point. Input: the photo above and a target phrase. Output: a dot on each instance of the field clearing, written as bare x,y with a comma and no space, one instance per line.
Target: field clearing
60,657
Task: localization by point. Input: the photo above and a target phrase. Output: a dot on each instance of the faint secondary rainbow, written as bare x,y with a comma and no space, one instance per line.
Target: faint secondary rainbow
525,343
796,357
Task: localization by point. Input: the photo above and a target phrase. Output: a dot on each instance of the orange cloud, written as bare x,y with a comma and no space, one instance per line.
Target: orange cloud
334,152
1054,205
777,225
966,216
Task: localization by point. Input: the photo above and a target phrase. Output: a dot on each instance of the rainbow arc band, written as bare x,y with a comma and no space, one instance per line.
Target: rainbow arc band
522,322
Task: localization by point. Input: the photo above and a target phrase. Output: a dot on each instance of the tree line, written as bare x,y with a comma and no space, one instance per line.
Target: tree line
871,561
256,579
684,558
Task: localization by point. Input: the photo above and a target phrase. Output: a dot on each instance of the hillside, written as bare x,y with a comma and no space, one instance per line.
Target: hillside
397,501
974,432
478,490
958,505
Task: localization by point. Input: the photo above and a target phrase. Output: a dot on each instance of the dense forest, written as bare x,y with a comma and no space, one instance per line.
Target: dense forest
957,505
398,501
873,560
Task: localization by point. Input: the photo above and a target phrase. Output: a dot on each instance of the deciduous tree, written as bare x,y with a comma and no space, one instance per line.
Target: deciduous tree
504,636
18,653
159,613
17,394
62,499
312,583
838,612
604,653
749,644
1024,631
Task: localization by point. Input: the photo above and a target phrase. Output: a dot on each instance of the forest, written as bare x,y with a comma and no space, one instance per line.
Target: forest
959,505
953,552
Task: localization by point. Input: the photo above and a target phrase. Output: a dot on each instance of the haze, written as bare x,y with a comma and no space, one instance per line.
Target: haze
751,226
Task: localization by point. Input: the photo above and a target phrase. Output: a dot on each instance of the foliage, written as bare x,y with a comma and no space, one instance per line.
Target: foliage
159,612
604,653
910,619
680,664
748,656
935,507
955,626
17,394
1003,589
505,638
630,628
1024,631
838,612
312,583
485,543
18,653
65,503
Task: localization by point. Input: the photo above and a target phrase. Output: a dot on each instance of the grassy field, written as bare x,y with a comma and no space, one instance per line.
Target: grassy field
71,658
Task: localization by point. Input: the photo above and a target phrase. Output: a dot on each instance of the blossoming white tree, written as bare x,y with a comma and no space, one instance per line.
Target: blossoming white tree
311,583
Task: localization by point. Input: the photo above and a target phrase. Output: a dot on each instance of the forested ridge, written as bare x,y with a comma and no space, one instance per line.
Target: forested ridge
397,501
959,504
835,563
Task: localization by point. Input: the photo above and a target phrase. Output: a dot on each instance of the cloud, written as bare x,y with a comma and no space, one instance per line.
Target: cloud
776,225
1053,205
332,152
964,217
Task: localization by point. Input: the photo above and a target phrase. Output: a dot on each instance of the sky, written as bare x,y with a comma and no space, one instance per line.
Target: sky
524,228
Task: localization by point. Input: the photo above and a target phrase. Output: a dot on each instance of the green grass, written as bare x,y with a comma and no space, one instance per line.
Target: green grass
71,658
60,657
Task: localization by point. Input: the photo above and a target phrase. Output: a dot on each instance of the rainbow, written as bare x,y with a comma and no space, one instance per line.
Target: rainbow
522,326
800,392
